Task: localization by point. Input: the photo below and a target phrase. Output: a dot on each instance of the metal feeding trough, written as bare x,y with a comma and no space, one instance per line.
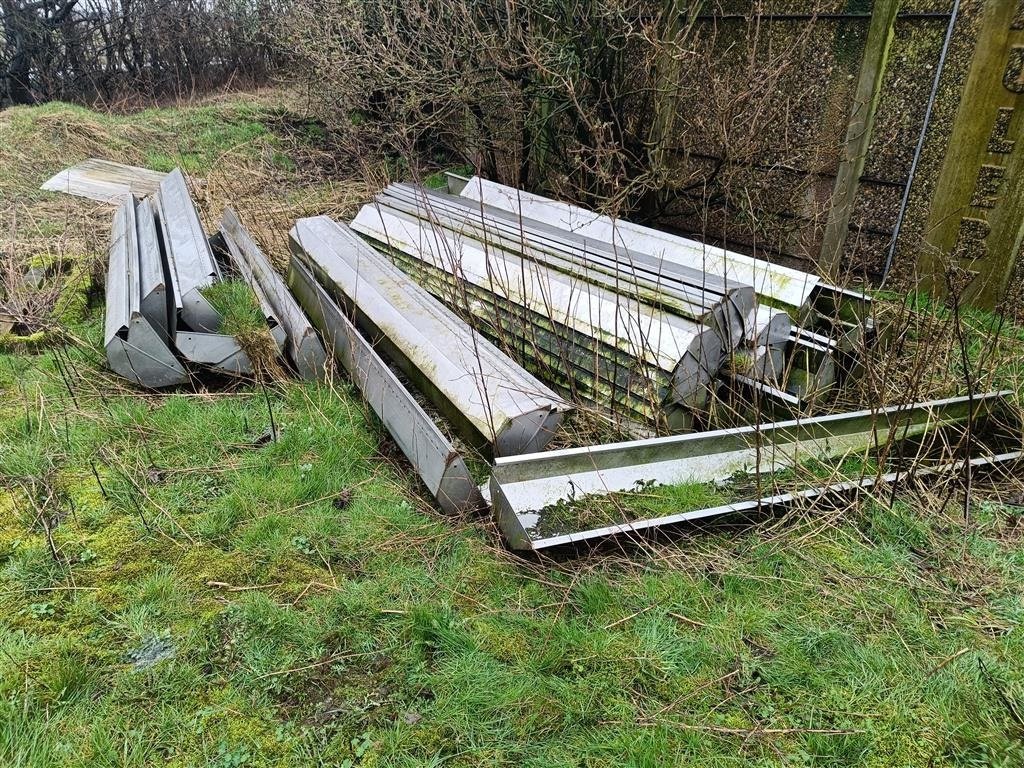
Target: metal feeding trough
158,318
687,354
526,489
432,455
284,315
135,327
476,385
494,308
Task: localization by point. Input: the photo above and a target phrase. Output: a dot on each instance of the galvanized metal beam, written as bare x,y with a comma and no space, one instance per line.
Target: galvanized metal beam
304,346
522,488
466,376
193,323
439,465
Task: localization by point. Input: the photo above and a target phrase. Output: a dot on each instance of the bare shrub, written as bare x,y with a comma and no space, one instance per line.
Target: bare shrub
90,50
622,105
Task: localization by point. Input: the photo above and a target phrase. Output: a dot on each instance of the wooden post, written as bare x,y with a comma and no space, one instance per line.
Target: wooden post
976,218
858,133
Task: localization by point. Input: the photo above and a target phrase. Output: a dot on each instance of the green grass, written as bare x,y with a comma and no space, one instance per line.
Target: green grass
383,623
162,138
236,303
301,603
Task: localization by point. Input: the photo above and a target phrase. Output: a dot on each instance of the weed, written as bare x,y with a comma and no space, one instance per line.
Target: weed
40,610
228,757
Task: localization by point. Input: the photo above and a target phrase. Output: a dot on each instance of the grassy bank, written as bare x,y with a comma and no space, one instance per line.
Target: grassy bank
175,591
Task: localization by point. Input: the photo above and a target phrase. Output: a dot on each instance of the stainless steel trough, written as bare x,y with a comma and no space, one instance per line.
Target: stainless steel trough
193,322
523,488
284,315
767,326
439,465
105,181
766,504
785,286
190,260
475,384
135,327
592,371
689,353
693,294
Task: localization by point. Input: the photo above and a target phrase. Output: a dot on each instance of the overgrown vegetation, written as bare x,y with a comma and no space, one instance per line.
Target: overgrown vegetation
173,589
235,302
92,50
642,108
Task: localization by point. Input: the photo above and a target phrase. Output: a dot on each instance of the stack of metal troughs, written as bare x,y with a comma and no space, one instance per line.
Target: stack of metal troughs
158,316
443,301
369,310
803,330
625,318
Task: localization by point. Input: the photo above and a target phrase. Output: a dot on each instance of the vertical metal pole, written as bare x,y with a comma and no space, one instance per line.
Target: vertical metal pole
920,140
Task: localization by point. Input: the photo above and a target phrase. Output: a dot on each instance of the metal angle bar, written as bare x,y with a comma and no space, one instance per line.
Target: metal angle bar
523,486
767,503
463,223
496,312
778,399
237,257
189,257
304,346
439,465
692,353
609,378
787,286
134,348
466,376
